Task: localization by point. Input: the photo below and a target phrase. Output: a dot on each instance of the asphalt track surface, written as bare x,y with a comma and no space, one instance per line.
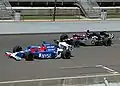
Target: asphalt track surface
84,61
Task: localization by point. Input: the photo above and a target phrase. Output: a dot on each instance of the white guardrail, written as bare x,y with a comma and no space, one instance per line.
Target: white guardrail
38,8
91,80
106,8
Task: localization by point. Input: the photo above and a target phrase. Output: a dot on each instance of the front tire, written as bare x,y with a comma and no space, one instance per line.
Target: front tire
107,42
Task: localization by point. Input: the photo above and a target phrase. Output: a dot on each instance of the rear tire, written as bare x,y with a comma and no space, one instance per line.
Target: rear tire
63,36
109,43
77,44
66,54
17,48
29,57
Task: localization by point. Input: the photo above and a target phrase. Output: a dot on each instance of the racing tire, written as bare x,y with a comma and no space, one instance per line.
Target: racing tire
29,57
77,44
66,54
63,36
17,48
109,43
93,42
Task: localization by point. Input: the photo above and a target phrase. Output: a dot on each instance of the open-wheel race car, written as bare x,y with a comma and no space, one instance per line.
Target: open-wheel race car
101,38
94,38
46,51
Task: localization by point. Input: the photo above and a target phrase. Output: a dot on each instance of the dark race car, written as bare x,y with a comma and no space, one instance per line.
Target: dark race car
94,38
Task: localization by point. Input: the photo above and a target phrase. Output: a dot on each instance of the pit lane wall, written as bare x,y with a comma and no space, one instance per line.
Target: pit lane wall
57,27
91,80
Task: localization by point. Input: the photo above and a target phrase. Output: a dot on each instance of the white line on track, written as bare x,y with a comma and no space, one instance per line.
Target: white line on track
31,80
109,69
96,66
114,73
73,67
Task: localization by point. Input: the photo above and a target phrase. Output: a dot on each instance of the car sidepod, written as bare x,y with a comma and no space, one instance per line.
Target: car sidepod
45,55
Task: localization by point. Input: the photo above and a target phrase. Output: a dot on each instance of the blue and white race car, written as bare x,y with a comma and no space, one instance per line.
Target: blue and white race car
46,51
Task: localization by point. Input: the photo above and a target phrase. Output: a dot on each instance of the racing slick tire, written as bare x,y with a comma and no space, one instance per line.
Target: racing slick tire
29,57
93,42
66,54
17,48
77,44
63,36
107,42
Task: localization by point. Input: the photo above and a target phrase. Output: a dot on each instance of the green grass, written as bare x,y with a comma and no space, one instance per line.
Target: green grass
49,17
113,13
113,16
62,17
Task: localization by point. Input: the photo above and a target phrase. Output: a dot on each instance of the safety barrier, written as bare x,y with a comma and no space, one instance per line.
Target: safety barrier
107,7
57,27
42,8
68,81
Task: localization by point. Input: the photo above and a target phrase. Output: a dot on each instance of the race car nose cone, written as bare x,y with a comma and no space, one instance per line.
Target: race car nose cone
7,54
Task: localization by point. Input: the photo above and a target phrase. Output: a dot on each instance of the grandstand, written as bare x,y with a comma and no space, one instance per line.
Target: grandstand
4,11
84,7
60,3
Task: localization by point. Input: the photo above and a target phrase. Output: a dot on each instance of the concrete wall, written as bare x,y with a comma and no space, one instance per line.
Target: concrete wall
57,27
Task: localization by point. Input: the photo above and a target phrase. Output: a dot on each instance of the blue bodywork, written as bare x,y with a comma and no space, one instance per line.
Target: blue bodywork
51,52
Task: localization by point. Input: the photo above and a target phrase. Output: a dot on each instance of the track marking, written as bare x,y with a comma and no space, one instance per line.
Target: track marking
75,67
31,80
97,66
109,69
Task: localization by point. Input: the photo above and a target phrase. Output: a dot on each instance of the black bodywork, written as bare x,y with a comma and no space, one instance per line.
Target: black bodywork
103,38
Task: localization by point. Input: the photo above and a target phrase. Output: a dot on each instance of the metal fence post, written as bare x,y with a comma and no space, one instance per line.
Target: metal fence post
54,10
103,14
106,82
17,16
62,82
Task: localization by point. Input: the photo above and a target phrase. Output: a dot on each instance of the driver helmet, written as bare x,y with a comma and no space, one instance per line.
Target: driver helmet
44,42
88,31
